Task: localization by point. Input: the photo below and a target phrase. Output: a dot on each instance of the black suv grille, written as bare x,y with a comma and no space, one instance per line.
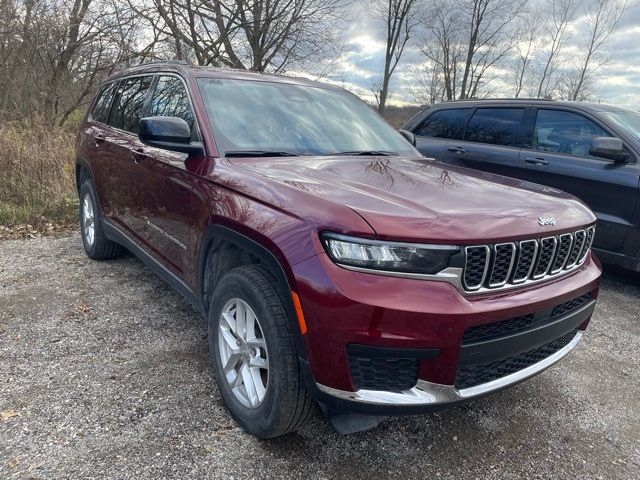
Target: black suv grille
488,331
479,373
389,374
504,264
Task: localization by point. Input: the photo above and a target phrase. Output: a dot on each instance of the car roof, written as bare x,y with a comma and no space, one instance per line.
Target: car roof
537,102
185,69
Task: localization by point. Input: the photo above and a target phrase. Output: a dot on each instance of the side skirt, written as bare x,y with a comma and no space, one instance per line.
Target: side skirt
115,234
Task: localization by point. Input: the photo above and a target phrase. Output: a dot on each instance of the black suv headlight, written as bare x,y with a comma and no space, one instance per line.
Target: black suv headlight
387,256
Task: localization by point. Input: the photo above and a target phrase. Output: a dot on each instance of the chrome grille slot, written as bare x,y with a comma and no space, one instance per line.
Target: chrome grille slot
505,265
565,241
578,243
504,255
475,266
546,252
587,244
528,249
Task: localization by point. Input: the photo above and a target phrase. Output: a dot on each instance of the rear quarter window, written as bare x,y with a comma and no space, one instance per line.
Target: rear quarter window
496,126
445,124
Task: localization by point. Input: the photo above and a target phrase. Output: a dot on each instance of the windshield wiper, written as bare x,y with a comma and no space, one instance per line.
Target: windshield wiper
259,153
372,153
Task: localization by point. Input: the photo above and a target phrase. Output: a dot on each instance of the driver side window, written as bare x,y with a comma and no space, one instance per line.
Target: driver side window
170,99
565,132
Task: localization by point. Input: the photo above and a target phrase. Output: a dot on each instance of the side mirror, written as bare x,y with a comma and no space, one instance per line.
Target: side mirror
411,138
608,147
168,133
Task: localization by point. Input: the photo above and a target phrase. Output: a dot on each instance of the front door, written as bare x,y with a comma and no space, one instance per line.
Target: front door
560,158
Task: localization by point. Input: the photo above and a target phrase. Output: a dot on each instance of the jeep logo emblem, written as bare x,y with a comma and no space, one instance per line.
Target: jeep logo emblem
546,221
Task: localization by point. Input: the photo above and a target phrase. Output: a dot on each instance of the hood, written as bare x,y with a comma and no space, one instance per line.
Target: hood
417,199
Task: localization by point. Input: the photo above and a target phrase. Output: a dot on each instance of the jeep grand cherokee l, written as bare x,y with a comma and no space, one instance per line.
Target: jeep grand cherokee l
590,150
336,266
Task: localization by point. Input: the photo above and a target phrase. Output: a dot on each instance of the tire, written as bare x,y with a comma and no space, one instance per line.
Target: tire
96,244
285,405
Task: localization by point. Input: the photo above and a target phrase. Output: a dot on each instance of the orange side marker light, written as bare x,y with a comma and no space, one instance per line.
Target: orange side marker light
296,303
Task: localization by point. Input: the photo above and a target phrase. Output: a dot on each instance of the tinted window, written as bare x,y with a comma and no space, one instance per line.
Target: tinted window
565,132
100,112
170,99
445,124
497,126
128,109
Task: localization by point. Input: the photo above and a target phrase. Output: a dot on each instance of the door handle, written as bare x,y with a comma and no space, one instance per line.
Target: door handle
138,155
98,138
456,149
536,161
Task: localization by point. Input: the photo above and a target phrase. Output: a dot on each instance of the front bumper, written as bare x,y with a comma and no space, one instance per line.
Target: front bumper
345,309
426,394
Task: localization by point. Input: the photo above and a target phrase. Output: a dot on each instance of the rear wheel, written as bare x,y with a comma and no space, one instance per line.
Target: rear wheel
253,354
96,244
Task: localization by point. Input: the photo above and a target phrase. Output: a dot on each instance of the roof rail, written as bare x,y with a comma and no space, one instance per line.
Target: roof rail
154,62
530,99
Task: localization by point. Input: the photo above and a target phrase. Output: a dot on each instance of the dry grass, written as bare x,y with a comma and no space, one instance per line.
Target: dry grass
37,184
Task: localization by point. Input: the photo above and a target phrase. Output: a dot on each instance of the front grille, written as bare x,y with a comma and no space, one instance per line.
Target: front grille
489,331
479,373
384,373
571,305
507,264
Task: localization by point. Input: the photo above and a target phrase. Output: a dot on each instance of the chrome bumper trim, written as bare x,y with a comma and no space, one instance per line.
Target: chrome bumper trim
427,393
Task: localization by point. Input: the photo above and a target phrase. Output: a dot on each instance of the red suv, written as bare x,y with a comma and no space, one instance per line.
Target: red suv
336,266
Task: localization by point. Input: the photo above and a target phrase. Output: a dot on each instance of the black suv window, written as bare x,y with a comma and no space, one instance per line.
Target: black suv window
445,124
565,132
170,99
128,109
102,107
497,126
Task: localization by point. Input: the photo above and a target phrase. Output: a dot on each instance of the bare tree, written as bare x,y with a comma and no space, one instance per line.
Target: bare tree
260,35
559,14
428,84
399,18
526,46
467,38
602,19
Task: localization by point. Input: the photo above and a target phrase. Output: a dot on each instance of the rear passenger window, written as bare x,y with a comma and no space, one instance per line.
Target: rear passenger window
497,126
170,99
445,124
128,109
102,107
565,132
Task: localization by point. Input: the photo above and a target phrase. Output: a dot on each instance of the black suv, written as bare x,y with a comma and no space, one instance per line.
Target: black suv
589,150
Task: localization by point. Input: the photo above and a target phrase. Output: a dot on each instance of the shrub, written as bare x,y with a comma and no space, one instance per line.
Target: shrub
37,179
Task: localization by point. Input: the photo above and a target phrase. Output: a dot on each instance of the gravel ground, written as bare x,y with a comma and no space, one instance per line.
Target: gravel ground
105,373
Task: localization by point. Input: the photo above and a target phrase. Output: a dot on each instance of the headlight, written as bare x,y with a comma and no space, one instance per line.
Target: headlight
389,256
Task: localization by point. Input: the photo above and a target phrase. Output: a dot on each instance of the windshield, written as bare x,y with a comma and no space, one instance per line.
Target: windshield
256,117
628,121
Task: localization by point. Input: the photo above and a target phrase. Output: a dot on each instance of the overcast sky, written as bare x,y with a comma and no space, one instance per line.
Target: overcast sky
363,62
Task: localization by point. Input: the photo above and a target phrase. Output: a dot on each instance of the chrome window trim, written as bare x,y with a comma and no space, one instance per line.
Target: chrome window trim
513,258
484,273
533,261
428,393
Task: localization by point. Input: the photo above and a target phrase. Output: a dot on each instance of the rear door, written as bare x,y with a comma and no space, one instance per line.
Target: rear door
559,157
124,190
491,141
434,133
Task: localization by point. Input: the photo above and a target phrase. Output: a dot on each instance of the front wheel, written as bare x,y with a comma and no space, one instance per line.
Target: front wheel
253,354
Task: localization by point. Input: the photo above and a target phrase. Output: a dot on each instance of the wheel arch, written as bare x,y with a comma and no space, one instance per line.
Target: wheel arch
213,236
